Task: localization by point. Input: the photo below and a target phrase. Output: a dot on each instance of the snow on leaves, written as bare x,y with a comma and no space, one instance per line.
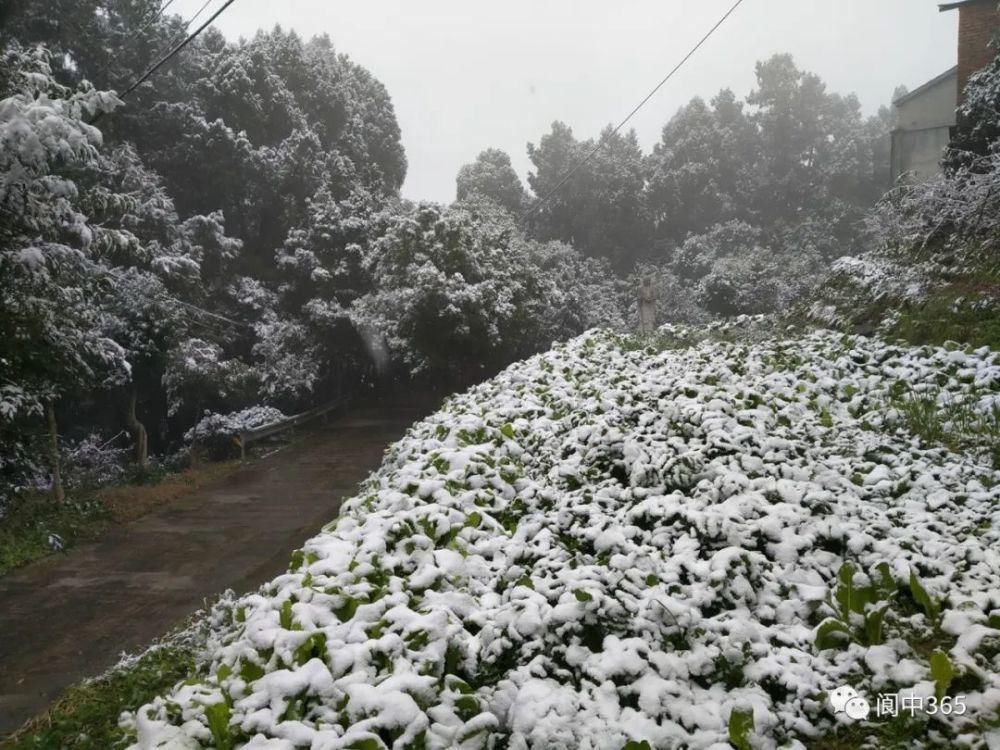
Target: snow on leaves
602,547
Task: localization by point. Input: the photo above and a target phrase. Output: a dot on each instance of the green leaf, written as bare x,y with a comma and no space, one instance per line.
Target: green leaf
874,626
250,672
218,715
467,706
366,744
832,634
850,597
346,612
740,727
285,616
314,647
475,518
942,672
844,594
417,640
507,431
458,685
582,596
921,597
885,584
636,745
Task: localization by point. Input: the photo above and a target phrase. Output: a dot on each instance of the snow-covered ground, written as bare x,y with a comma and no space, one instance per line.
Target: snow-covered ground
605,548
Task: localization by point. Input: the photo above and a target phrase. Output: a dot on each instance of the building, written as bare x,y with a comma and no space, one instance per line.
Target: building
925,117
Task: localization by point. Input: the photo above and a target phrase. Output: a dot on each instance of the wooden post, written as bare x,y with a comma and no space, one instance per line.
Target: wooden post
58,493
137,430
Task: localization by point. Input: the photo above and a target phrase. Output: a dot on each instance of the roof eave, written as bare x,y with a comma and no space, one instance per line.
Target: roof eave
959,3
923,88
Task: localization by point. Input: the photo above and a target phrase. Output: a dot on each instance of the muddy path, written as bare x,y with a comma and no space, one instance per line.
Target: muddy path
71,616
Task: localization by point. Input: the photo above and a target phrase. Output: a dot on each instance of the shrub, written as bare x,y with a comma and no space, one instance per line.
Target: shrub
215,433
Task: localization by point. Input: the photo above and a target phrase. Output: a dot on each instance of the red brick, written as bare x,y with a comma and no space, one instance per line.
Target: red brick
977,24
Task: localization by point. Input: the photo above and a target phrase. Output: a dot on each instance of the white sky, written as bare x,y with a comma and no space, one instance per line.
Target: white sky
465,75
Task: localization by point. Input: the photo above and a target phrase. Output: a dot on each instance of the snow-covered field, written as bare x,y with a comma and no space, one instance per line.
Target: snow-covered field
604,548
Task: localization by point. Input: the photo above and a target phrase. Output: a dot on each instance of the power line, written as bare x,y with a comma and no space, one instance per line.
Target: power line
165,296
170,55
156,16
576,167
210,314
184,27
194,18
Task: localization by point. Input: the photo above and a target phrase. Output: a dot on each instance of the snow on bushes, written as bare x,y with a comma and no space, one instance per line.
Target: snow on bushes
602,548
929,239
216,432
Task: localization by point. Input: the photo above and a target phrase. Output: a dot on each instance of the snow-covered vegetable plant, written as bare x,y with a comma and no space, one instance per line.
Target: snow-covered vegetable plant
610,547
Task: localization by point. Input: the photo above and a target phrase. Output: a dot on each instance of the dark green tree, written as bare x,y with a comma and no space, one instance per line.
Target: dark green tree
491,176
601,210
700,173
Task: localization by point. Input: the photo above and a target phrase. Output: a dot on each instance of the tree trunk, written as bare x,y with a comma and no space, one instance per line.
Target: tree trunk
137,430
58,493
194,459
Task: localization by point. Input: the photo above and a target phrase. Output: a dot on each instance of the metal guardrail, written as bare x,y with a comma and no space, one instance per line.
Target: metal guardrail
247,437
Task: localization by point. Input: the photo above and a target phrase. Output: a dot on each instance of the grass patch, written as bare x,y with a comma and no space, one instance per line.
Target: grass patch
34,521
967,314
87,714
958,427
128,502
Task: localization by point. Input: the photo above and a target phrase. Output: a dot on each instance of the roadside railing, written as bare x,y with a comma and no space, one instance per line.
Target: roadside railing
247,437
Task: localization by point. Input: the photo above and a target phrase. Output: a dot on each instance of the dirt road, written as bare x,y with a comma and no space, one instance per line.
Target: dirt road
71,616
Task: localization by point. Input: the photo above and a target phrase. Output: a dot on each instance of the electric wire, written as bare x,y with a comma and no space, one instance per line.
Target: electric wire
176,49
590,155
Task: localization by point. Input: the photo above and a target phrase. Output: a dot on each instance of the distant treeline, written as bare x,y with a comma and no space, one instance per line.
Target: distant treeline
234,235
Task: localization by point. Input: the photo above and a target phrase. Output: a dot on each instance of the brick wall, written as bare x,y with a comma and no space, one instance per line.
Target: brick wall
976,26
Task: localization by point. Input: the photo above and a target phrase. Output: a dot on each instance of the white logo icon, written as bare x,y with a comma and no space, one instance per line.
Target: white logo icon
857,709
840,696
848,701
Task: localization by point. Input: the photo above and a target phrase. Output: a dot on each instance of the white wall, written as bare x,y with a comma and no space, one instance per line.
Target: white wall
932,108
923,129
918,153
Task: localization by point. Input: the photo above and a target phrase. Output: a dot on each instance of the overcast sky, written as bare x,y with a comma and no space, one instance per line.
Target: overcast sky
465,75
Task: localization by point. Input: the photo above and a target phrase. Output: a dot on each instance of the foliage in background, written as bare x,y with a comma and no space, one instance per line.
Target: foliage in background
239,240
931,270
933,273
795,164
492,176
461,291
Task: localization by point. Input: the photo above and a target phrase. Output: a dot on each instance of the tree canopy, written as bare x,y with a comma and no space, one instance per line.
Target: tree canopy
232,236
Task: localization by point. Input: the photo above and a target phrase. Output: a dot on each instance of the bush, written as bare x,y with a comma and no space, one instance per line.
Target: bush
458,291
934,269
215,433
94,462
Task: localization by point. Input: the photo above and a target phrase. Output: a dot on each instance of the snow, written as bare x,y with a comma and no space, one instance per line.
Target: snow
601,545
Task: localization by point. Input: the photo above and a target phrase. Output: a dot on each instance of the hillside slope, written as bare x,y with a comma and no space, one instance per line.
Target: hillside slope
614,547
